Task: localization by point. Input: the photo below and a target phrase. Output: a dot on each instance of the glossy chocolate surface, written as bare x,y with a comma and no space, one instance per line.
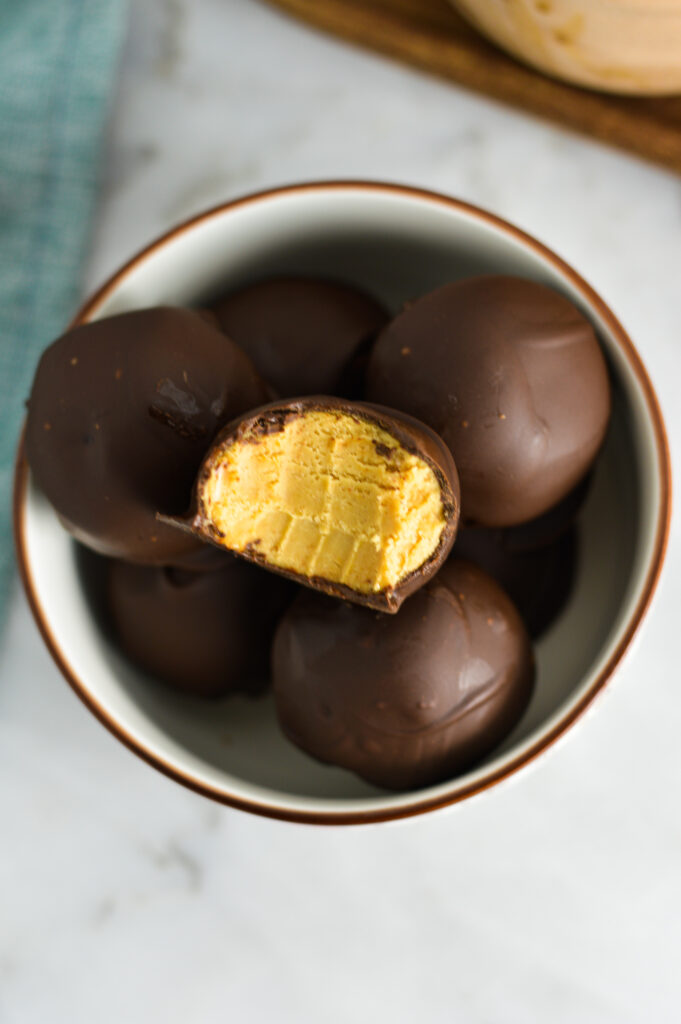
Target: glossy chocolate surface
121,414
512,377
410,435
304,335
207,633
407,700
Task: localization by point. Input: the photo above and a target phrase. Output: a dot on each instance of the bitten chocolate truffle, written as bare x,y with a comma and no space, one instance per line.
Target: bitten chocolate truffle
347,498
303,334
512,377
405,700
121,414
207,633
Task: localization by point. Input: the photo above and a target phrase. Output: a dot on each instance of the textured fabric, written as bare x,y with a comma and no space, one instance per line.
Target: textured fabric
57,64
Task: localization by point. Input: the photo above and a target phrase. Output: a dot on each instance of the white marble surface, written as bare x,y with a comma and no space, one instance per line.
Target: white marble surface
556,898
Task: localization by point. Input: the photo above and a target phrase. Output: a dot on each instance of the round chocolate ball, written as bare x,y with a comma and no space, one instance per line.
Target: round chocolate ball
512,377
304,335
410,699
205,633
120,416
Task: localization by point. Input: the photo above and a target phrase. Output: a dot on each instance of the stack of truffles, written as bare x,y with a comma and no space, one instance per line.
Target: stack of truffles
379,513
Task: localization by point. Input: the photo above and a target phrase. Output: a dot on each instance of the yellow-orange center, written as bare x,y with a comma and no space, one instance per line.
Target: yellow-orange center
329,495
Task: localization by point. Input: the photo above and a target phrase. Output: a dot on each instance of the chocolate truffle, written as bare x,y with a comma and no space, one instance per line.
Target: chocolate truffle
207,633
304,335
348,498
121,414
404,700
511,375
539,580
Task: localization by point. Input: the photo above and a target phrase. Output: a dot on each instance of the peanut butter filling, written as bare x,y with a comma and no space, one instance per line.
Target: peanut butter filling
328,495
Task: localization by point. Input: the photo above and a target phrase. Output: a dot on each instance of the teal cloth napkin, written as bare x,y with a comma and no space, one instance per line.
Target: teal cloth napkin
57,67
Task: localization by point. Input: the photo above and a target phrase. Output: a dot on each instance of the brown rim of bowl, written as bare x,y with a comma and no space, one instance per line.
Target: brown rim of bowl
542,743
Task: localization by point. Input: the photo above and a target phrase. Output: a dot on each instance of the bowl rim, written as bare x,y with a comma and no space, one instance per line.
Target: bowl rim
543,742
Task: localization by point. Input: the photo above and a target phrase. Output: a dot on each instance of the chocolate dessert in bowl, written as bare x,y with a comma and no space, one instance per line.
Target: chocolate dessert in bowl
397,517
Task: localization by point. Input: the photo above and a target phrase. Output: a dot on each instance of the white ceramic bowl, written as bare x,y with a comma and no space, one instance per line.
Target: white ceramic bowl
398,243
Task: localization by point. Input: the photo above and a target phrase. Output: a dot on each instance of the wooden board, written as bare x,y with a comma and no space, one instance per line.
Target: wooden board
430,35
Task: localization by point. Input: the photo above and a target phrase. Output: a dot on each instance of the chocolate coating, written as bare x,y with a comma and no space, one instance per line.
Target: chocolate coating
121,413
207,633
512,377
406,700
539,580
304,335
414,437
